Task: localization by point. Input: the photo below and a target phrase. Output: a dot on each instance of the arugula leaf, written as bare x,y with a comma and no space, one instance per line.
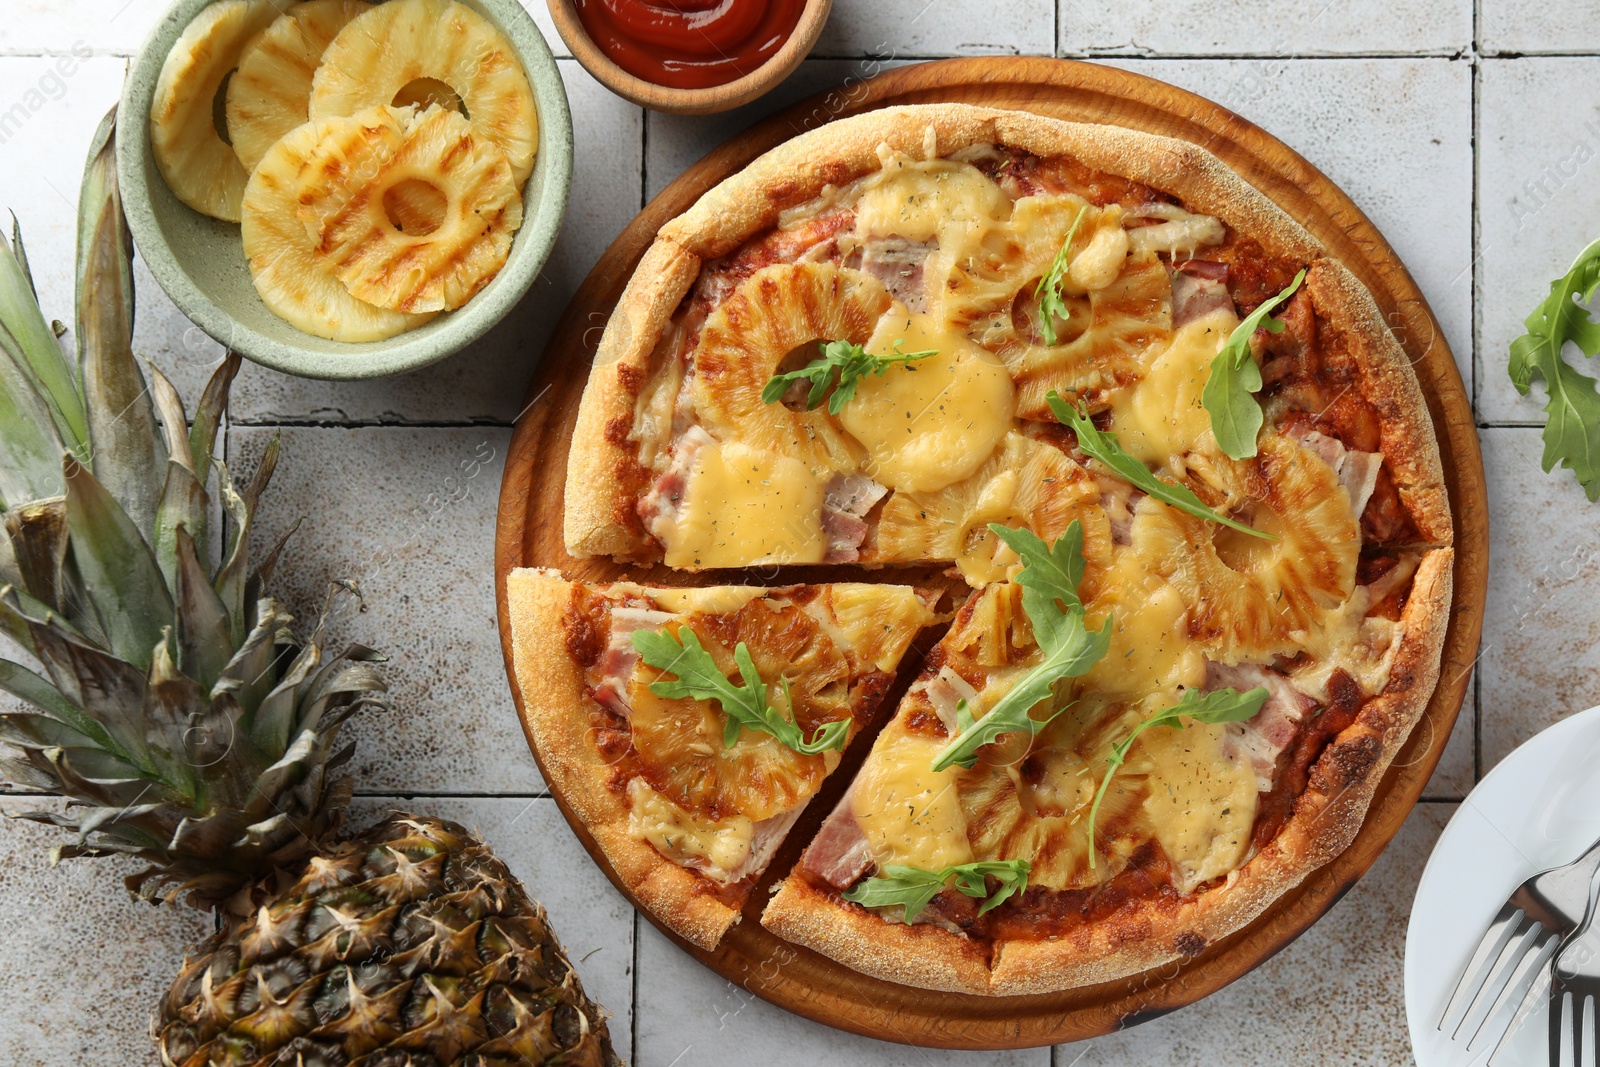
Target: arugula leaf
1048,291
852,363
1049,580
1572,431
1229,394
913,887
745,706
1222,705
1103,446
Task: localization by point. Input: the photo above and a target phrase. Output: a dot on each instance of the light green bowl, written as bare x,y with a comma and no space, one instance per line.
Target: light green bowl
200,261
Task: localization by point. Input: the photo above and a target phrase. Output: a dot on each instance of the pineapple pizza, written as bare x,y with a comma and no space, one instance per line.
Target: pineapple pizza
1179,477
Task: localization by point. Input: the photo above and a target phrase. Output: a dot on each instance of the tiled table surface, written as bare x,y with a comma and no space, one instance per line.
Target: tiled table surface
1465,134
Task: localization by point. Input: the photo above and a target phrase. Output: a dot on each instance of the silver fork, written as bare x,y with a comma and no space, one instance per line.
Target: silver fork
1575,984
1523,938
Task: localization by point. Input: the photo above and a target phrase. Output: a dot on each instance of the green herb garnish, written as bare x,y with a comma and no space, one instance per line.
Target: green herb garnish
1572,429
1048,291
913,887
1103,446
744,706
1222,705
1229,393
852,363
1049,580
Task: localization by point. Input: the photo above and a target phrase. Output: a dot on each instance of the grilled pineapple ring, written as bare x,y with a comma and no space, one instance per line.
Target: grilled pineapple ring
1026,483
269,94
378,58
1120,304
432,269
679,742
199,166
777,311
1251,599
292,280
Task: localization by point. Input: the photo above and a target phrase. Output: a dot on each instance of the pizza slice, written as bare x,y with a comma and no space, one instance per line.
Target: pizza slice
1100,769
689,728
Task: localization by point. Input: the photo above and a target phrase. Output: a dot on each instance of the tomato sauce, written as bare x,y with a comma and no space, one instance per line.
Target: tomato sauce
689,44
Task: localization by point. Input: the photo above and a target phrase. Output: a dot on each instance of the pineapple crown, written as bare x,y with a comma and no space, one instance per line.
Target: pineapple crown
174,709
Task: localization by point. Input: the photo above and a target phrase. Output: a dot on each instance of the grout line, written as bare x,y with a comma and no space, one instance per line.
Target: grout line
633,996
311,422
644,158
1475,323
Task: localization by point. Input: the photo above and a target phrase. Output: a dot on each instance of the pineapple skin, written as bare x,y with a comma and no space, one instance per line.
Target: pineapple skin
409,945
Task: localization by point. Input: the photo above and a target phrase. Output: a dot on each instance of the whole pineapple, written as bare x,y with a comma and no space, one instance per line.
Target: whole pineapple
188,729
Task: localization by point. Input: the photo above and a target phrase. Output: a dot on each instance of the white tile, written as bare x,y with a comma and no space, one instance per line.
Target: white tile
31,27
486,382
1538,204
593,922
937,28
1541,634
47,120
1332,997
688,1014
541,16
1394,134
1565,26
1264,27
85,964
409,514
676,141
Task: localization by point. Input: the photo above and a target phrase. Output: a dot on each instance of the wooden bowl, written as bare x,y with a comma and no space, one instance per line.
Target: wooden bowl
690,101
802,981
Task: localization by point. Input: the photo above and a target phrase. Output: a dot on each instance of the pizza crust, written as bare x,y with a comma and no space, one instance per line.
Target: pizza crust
555,710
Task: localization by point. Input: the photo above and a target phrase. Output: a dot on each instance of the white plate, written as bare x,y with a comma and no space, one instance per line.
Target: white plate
1540,808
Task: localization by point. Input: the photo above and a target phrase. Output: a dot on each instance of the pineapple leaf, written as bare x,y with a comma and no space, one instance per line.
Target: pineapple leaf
204,635
35,348
273,723
208,416
30,451
19,681
184,505
107,690
38,539
174,424
125,450
233,580
118,568
21,252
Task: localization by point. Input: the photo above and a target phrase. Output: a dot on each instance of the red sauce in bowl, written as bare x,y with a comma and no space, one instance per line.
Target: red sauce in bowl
689,44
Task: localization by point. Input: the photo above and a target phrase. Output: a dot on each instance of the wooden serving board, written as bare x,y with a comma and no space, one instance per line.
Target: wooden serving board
530,522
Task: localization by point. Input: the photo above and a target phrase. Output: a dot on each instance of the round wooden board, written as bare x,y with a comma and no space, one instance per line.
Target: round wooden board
530,534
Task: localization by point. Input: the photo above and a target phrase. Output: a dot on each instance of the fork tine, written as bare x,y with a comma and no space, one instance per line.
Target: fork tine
1490,946
1558,1001
1582,1025
1529,967
1500,972
1538,990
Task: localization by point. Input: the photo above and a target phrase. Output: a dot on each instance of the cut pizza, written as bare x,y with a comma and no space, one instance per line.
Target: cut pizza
1168,441
690,727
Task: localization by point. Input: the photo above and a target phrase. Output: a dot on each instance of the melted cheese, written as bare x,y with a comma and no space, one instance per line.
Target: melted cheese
711,600
723,846
1151,651
909,813
1200,804
1162,417
744,506
926,200
929,423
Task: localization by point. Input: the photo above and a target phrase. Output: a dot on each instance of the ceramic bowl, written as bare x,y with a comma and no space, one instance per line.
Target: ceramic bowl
200,263
690,101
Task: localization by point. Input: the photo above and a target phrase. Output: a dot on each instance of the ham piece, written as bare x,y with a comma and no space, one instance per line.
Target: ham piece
839,854
1357,471
846,500
1261,739
897,263
1199,287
